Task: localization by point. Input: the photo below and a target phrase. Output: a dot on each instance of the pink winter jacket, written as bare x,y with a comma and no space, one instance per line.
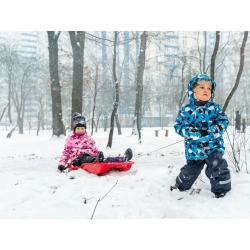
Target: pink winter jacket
77,144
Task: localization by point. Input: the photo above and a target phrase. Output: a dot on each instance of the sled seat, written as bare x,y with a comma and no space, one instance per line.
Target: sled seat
102,167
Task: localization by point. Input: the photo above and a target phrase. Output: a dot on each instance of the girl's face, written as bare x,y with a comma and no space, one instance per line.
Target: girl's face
203,91
80,130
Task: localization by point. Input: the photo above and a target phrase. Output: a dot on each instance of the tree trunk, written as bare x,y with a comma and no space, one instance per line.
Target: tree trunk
11,131
20,111
205,51
9,100
105,125
98,119
20,124
57,123
77,42
94,102
40,116
118,125
216,47
116,103
4,111
39,123
183,84
242,57
139,83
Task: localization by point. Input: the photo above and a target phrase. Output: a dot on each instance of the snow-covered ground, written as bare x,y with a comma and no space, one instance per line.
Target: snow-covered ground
31,187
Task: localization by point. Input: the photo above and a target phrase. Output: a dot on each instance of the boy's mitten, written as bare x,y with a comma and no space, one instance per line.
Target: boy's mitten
204,132
193,134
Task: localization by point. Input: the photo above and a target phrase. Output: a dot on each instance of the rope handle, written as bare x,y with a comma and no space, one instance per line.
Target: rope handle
160,148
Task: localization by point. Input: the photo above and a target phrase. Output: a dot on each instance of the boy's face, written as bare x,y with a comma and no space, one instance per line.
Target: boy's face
203,91
80,130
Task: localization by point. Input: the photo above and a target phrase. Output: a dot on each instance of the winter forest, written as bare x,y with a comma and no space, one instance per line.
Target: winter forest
129,85
116,79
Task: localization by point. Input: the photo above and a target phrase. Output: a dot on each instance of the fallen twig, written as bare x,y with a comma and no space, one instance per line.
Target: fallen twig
85,200
54,190
102,199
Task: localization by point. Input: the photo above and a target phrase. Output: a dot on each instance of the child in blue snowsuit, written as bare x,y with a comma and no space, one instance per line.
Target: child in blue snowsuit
202,123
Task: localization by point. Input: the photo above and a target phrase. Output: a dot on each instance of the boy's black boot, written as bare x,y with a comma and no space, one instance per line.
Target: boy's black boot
128,154
219,195
176,186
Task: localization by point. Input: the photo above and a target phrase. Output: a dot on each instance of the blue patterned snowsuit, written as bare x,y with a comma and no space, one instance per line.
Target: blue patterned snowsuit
201,150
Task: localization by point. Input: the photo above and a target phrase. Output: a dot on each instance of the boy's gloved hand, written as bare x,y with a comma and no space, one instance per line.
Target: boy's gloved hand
61,168
194,129
204,133
193,134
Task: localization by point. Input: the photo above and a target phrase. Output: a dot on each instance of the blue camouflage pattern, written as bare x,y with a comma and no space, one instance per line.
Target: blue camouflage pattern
201,116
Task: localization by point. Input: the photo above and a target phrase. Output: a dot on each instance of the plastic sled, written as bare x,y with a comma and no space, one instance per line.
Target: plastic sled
100,168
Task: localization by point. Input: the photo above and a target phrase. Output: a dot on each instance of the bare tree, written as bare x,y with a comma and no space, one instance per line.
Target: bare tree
199,52
94,101
20,89
57,124
182,91
92,80
9,61
40,113
139,83
241,66
216,48
223,52
77,39
116,102
235,147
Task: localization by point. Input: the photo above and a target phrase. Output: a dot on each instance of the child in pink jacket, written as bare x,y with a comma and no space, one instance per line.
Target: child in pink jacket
80,147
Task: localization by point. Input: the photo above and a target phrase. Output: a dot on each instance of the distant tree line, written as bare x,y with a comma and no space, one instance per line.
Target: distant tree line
85,72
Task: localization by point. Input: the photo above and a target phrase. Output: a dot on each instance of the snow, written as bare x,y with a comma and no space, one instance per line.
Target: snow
31,188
